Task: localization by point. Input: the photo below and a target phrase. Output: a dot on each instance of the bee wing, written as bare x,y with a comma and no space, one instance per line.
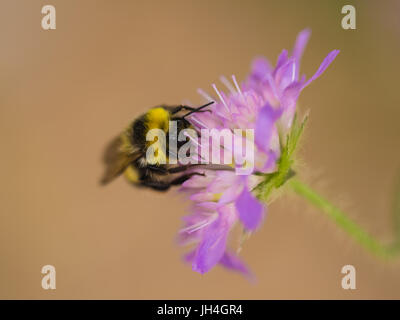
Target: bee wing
116,160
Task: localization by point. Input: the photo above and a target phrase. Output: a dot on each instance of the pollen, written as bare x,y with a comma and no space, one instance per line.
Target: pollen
216,196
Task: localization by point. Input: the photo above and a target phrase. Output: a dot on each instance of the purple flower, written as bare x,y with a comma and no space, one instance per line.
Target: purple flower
266,102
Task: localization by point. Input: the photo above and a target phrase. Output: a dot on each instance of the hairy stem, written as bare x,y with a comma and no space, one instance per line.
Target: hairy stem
369,242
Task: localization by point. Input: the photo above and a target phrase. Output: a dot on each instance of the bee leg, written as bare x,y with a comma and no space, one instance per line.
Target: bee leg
165,171
163,186
185,177
182,107
160,170
181,168
159,186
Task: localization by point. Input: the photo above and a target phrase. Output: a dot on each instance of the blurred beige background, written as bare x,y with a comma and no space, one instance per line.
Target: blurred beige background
65,93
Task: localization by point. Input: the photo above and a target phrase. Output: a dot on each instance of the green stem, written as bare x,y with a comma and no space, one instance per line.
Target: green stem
341,219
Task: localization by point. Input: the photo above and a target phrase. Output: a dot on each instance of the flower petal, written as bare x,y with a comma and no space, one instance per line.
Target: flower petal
301,42
283,57
286,74
210,249
233,262
202,196
325,64
213,243
198,181
265,126
189,257
230,194
260,67
250,210
223,180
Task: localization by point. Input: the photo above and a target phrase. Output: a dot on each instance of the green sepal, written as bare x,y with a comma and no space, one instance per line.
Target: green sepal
284,171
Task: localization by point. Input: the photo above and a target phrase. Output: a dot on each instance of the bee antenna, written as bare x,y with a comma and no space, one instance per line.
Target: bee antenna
198,109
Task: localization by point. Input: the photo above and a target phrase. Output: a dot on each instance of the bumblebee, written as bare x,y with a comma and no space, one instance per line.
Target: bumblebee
126,154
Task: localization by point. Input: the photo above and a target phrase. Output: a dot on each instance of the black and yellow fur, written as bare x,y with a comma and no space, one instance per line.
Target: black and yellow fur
126,154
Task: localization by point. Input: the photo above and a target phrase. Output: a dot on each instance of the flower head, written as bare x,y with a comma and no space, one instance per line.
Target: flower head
266,103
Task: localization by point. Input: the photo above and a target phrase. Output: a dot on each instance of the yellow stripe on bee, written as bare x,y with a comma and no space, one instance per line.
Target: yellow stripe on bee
131,174
157,118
